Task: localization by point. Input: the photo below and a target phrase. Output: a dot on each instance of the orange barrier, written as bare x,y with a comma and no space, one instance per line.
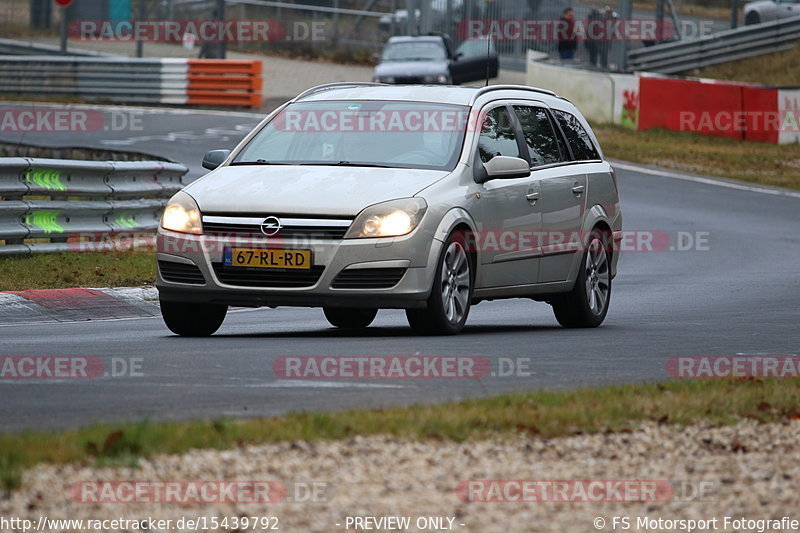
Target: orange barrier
224,82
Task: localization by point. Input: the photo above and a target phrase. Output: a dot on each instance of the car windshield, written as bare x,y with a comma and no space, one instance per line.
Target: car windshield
414,51
476,48
361,133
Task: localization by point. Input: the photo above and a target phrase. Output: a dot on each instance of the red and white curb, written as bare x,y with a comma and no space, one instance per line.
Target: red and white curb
74,305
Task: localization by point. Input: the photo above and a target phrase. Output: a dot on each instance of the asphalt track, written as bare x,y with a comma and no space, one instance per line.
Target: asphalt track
735,293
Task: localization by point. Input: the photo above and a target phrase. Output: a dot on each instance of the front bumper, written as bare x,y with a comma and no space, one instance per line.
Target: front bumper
409,255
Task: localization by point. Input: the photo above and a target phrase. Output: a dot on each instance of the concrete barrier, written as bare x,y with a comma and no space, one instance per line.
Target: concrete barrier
789,114
591,91
603,98
641,101
626,100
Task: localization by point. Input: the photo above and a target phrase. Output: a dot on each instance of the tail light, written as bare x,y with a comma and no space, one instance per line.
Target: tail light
614,177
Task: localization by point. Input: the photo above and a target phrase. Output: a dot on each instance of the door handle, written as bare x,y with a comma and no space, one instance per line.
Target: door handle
532,197
578,189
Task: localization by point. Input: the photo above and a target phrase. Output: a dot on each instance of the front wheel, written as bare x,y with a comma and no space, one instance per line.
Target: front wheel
752,18
193,320
448,305
349,318
586,305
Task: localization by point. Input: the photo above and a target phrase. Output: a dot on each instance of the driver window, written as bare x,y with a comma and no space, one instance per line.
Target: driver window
497,135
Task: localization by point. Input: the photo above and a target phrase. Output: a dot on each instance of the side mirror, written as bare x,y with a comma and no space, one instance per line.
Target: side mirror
457,56
503,166
215,158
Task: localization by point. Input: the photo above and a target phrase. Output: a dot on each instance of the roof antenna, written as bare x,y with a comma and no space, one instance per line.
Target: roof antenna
488,57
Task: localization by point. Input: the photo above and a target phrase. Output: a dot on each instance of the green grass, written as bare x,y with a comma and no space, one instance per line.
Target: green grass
770,69
716,9
540,414
762,163
73,269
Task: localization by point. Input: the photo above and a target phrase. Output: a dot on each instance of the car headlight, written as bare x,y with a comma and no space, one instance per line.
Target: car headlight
388,219
182,215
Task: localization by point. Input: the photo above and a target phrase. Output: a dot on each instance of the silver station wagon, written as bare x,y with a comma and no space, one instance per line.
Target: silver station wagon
356,197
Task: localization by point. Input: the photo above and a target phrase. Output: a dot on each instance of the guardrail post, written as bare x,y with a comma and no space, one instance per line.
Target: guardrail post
626,14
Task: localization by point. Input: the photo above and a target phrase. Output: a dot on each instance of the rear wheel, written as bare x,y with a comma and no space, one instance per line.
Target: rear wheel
349,317
586,305
447,308
193,320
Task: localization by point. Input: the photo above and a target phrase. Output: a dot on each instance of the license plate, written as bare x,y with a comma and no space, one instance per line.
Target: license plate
267,258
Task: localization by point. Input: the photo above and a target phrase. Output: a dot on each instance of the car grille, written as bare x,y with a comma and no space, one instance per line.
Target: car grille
293,228
267,277
407,80
368,278
181,273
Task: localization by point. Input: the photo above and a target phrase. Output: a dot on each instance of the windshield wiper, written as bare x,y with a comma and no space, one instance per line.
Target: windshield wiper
344,164
259,162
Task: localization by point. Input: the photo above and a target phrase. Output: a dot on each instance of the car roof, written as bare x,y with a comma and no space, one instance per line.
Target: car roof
441,94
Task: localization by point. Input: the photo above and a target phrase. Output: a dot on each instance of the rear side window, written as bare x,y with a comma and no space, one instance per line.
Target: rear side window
497,135
582,147
539,135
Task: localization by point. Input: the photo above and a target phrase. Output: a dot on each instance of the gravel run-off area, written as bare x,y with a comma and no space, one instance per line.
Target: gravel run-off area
746,470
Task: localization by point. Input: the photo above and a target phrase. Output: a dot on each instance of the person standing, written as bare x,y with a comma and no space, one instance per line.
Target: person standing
567,35
595,36
609,29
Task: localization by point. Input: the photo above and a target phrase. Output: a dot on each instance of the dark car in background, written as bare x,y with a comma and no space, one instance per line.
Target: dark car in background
431,59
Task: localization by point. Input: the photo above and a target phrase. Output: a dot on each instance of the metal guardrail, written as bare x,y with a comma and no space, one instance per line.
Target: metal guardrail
135,80
304,7
721,47
55,205
12,47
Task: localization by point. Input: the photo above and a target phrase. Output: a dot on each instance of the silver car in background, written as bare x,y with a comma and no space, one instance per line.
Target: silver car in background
769,10
358,197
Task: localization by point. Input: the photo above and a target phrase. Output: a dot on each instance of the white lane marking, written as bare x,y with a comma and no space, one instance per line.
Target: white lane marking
142,109
312,383
98,320
707,181
279,384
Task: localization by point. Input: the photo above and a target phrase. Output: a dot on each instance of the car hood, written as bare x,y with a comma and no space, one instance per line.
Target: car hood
411,68
306,190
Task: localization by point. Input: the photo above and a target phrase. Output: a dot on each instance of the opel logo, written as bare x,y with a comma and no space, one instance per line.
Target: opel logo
271,226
